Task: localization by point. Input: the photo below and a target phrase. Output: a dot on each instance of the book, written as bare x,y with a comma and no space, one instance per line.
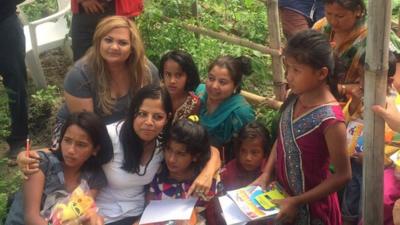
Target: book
255,203
170,211
354,135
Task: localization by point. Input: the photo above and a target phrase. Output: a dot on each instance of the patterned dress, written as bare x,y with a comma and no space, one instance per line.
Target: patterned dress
191,106
303,160
163,187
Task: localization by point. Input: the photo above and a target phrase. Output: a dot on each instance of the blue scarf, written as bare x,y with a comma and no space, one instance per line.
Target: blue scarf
227,119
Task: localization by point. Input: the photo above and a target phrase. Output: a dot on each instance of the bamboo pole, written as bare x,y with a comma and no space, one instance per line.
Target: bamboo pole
376,67
225,37
275,41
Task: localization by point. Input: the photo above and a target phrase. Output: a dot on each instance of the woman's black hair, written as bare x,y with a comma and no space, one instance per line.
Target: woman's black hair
132,145
187,64
352,5
312,48
97,132
254,130
195,137
237,67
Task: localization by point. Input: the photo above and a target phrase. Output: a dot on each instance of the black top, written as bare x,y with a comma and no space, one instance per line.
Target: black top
7,8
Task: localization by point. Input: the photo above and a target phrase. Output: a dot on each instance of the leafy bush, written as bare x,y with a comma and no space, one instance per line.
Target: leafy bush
39,9
42,105
4,115
10,182
246,19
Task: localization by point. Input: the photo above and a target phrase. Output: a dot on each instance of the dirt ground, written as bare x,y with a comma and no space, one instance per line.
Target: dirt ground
55,65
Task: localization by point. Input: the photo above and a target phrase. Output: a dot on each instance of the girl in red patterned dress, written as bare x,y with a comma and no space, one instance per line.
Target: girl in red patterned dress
180,77
312,135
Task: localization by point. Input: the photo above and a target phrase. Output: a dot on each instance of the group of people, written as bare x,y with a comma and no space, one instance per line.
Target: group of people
136,139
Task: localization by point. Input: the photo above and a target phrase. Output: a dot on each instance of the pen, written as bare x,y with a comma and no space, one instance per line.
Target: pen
27,148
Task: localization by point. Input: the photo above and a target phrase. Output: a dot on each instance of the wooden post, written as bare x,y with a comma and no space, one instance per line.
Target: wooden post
275,43
376,67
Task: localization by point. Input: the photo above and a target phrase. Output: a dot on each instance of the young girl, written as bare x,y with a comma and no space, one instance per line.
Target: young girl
181,77
84,147
185,154
311,136
253,145
223,110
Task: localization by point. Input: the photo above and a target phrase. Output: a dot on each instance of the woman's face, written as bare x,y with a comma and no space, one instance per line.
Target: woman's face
76,146
219,84
174,78
150,119
115,47
341,19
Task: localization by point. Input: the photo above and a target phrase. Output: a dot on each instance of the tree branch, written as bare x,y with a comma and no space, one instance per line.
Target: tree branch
228,38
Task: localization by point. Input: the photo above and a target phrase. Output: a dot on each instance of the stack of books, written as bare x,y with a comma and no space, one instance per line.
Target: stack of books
251,203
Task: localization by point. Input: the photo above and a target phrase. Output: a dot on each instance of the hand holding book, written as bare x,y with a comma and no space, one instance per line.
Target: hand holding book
256,203
288,209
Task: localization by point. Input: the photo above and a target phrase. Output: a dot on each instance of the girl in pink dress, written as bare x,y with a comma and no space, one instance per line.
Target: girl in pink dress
311,136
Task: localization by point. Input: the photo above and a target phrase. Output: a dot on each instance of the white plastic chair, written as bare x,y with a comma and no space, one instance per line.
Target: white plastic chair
45,34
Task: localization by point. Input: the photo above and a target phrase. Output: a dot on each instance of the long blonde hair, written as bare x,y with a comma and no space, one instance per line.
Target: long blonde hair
136,62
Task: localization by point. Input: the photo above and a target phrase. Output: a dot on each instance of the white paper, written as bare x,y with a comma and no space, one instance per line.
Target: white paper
231,213
395,156
169,209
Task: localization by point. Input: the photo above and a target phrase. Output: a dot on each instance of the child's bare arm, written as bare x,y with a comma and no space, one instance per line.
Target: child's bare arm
396,212
390,114
356,100
33,190
29,165
204,180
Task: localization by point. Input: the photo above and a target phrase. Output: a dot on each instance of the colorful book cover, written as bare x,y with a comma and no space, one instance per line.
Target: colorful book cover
355,140
256,203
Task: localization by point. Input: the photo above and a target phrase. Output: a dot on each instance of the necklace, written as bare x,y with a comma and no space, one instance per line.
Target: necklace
303,108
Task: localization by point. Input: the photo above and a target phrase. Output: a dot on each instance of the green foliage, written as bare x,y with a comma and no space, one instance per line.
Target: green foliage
269,118
395,9
248,17
39,9
46,96
42,105
244,18
3,207
4,114
10,182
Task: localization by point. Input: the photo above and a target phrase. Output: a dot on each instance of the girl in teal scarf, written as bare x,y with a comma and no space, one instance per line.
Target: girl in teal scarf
223,110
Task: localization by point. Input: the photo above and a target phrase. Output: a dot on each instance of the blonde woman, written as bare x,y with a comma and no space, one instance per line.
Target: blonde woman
109,74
